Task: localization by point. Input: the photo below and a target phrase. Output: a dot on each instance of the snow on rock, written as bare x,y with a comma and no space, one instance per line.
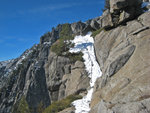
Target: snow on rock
85,44
5,66
25,55
47,43
5,63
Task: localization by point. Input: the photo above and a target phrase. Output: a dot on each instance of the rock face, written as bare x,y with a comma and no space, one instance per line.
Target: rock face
5,68
27,77
42,76
123,54
77,81
65,78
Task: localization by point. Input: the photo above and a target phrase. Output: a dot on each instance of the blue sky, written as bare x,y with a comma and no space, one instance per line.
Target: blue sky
22,22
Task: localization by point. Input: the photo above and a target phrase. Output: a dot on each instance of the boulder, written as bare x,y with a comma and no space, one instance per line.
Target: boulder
94,24
107,21
121,11
78,27
122,4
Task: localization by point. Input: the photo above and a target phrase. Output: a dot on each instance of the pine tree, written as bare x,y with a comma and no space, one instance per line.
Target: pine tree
107,4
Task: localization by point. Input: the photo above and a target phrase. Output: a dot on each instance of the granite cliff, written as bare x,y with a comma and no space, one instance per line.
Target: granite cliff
47,73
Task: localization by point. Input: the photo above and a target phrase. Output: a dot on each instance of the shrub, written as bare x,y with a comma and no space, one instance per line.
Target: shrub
66,31
94,33
40,107
75,56
58,47
63,44
62,104
22,106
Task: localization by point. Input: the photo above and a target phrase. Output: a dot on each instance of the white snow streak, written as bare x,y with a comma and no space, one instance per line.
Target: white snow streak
85,44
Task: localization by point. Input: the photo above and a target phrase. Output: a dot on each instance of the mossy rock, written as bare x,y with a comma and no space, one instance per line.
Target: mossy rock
94,33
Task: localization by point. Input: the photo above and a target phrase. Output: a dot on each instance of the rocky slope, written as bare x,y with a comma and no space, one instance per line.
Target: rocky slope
41,76
123,54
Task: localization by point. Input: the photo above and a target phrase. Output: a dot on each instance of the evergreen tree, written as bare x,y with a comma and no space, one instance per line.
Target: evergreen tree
107,4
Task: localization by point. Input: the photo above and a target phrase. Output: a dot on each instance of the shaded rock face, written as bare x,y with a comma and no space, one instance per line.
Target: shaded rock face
26,78
78,27
123,55
121,4
38,74
81,28
5,68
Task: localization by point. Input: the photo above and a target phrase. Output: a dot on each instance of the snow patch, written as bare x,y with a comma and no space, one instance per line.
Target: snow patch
5,63
85,44
47,43
24,56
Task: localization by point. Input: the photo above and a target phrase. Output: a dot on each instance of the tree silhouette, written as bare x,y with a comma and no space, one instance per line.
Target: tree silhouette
107,4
